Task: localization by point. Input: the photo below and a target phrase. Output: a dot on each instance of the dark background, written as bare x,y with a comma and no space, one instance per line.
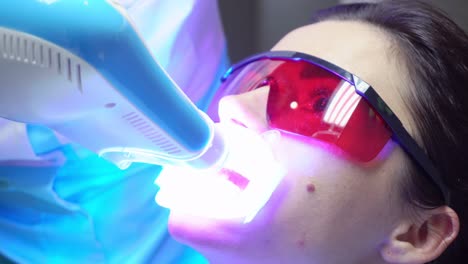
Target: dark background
253,26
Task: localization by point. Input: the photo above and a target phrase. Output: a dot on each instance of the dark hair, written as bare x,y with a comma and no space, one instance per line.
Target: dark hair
435,53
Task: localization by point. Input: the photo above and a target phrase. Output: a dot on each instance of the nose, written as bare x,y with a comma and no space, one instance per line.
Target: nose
246,109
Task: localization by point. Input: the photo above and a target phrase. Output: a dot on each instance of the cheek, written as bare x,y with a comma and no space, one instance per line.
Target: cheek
328,202
297,218
302,240
325,198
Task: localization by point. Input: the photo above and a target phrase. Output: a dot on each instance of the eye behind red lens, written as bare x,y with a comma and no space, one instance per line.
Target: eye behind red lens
308,100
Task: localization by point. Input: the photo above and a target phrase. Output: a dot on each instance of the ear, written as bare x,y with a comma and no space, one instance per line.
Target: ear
422,240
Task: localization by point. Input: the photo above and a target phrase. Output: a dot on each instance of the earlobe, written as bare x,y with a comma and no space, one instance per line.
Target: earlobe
424,239
396,249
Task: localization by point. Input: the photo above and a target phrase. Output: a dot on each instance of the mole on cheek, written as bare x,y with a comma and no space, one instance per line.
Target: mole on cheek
301,242
310,188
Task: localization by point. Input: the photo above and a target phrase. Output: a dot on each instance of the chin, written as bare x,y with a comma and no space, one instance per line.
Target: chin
216,237
200,233
219,241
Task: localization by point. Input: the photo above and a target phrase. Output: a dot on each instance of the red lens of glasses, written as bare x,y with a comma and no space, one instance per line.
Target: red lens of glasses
311,101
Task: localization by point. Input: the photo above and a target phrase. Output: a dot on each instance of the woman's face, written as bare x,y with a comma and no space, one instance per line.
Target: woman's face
327,209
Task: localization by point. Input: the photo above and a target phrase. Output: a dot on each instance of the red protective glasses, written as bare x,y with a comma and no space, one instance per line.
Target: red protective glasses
314,98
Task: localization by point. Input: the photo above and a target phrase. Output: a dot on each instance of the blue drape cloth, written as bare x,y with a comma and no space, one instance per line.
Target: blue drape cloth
70,206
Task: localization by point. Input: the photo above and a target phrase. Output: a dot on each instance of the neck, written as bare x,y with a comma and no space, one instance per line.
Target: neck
223,258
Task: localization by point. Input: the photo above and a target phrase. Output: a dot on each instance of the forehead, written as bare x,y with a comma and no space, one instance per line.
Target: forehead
361,49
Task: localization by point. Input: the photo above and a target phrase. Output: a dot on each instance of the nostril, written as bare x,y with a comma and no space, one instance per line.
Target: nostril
237,122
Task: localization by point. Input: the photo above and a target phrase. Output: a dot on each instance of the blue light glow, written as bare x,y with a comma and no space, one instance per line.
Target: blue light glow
210,193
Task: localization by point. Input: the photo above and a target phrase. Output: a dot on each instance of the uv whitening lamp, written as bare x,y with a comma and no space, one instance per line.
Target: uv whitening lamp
80,68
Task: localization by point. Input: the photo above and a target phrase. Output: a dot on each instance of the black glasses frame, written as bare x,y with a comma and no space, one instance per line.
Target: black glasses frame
399,133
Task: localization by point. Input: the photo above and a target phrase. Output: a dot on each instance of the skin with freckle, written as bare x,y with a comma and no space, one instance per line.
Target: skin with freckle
301,243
